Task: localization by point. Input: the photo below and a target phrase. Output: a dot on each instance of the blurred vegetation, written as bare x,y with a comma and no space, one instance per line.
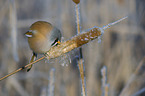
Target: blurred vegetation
122,47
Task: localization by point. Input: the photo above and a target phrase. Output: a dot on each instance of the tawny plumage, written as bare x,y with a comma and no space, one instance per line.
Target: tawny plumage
41,37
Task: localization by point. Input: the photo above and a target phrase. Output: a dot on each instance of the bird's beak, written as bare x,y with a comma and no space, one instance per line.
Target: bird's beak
58,42
28,34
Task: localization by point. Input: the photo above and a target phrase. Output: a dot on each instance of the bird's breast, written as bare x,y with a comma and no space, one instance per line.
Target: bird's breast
39,45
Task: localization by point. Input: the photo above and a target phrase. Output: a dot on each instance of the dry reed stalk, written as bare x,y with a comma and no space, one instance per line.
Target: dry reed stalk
106,90
139,92
13,28
3,11
81,69
51,82
77,18
18,87
64,47
69,45
105,86
21,68
75,42
133,81
80,60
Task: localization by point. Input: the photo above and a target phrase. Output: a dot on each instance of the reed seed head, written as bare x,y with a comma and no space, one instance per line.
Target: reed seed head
76,1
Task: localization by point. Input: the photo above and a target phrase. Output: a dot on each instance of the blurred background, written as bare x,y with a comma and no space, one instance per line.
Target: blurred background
121,49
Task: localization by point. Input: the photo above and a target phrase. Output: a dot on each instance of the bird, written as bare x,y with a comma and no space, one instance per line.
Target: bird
42,36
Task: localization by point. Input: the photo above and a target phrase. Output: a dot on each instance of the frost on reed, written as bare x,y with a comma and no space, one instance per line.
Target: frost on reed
83,80
81,65
105,86
73,43
69,45
79,40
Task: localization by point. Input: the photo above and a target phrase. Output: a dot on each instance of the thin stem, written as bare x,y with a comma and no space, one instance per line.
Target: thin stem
75,42
13,28
21,68
81,69
77,18
111,24
105,86
51,82
80,63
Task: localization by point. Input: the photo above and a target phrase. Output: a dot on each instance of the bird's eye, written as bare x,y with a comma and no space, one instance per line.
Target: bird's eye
29,33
